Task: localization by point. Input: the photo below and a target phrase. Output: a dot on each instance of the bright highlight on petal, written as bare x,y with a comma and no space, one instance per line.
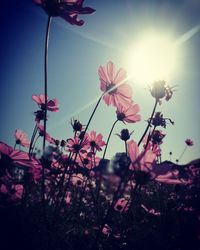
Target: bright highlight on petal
152,58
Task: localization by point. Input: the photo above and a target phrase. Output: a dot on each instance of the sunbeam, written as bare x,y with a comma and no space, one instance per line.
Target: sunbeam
85,107
188,35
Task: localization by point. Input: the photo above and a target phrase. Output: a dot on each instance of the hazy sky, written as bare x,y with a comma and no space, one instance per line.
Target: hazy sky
75,53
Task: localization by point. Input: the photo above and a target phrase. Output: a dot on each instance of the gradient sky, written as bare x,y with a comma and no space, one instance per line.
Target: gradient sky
75,53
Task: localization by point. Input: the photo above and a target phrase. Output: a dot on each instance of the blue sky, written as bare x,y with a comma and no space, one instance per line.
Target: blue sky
75,53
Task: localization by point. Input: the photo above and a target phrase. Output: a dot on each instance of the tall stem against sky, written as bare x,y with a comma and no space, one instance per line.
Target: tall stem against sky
149,123
180,157
45,110
104,154
86,128
46,76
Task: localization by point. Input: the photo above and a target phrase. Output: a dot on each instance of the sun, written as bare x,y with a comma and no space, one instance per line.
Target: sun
151,58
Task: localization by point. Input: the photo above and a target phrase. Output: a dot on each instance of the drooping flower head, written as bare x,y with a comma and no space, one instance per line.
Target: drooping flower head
52,105
66,9
128,113
113,84
21,138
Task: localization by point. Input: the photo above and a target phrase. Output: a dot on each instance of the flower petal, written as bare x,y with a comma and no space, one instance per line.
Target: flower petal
110,71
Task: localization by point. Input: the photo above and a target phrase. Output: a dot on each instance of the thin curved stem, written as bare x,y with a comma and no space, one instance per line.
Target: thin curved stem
33,146
89,121
32,138
100,178
45,111
126,149
46,76
104,153
182,153
149,123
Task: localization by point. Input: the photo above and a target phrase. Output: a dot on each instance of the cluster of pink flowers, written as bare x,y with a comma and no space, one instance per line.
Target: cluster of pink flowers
81,151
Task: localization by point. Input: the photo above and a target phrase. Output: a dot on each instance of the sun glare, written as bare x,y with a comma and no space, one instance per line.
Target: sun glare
151,58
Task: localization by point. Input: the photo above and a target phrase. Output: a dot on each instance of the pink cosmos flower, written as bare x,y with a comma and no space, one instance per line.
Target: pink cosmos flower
16,157
128,113
172,178
114,85
74,145
154,147
52,105
189,142
15,192
11,157
87,160
96,141
121,205
18,192
145,162
140,161
77,180
21,138
165,172
48,138
66,9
